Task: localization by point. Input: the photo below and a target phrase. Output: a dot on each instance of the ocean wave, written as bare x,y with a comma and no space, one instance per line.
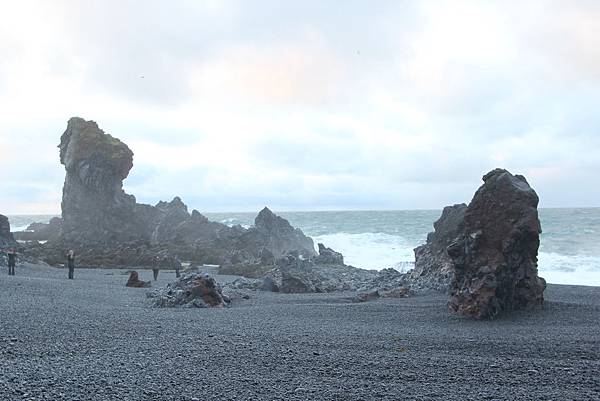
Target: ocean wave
232,221
379,251
557,268
371,250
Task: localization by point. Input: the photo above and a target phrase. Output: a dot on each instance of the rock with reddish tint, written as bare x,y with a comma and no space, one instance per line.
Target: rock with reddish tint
495,258
195,290
135,282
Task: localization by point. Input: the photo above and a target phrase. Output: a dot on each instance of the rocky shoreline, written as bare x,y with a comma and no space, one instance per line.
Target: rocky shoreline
484,254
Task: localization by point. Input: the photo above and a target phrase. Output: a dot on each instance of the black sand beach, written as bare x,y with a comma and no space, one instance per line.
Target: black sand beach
94,339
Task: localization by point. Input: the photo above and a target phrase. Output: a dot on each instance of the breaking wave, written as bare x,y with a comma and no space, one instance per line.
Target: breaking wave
371,250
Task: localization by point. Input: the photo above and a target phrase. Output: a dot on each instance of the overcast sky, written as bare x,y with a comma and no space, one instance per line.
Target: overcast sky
305,105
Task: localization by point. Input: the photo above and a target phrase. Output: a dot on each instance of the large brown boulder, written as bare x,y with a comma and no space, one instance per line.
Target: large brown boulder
135,282
495,258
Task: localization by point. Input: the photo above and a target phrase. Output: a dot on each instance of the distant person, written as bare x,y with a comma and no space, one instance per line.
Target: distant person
177,267
155,268
12,261
71,263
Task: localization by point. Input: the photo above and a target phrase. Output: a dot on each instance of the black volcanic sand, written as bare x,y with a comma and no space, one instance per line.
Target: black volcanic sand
94,339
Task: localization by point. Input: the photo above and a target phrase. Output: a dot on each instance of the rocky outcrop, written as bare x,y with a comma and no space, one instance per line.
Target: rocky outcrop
277,235
106,227
95,209
196,290
135,282
328,256
6,238
495,257
41,231
434,268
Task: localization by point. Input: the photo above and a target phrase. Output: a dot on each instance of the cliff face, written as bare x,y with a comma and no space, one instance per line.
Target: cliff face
95,209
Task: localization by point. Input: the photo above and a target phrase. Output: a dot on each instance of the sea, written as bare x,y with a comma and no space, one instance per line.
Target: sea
569,247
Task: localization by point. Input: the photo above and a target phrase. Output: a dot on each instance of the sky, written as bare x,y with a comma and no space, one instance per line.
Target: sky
305,105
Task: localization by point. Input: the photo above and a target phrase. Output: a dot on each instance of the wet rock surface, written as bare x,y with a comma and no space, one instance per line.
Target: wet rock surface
495,258
97,340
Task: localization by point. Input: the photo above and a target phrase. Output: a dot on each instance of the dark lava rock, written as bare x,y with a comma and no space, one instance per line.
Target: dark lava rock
434,268
328,256
106,227
293,274
95,209
277,235
196,290
6,238
134,281
41,231
496,256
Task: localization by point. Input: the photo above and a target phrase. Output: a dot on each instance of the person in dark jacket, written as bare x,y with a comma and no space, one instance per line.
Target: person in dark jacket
177,264
12,261
71,263
156,267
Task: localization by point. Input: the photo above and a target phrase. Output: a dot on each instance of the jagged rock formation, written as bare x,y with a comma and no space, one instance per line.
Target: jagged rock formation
434,268
276,234
135,282
328,256
6,238
106,227
41,231
196,290
495,257
95,209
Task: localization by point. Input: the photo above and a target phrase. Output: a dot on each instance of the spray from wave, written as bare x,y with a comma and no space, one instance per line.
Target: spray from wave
557,268
371,250
379,251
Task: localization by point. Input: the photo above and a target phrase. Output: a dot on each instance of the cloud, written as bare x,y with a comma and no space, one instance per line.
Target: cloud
305,105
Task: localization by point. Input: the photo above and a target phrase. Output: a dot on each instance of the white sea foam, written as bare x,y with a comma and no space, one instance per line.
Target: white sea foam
371,250
232,221
379,251
569,269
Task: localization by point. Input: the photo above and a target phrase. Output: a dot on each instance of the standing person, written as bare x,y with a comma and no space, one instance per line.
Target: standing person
155,268
177,267
71,263
12,261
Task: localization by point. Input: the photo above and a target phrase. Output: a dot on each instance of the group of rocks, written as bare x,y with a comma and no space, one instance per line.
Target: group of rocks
483,254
